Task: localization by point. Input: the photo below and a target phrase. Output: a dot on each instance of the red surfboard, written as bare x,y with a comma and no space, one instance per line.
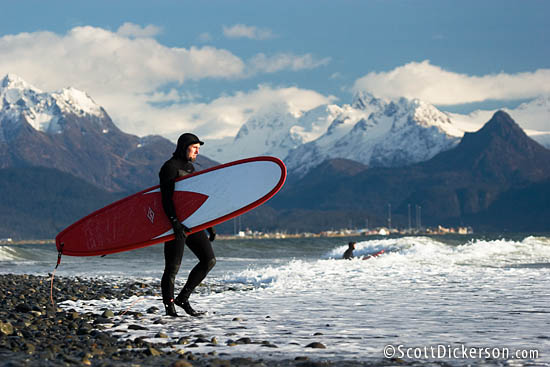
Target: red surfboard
202,199
374,255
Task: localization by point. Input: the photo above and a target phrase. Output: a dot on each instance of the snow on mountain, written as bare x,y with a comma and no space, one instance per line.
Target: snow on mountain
372,131
272,131
269,131
68,131
43,111
389,133
276,131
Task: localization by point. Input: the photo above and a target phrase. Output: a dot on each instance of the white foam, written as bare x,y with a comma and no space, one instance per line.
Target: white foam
9,253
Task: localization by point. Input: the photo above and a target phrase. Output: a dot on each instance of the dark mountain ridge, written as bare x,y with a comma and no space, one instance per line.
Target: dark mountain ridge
38,202
500,151
496,179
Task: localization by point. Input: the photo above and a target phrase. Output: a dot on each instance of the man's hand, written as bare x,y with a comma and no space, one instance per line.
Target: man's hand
212,234
179,229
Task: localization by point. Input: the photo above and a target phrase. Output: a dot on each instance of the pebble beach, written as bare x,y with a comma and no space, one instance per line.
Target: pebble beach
33,332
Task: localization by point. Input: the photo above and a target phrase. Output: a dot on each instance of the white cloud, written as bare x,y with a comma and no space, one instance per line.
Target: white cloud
284,61
435,85
97,60
244,31
136,31
224,116
139,81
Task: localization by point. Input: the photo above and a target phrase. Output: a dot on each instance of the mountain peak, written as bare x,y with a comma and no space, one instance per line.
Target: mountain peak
502,124
14,81
500,128
362,100
500,149
43,111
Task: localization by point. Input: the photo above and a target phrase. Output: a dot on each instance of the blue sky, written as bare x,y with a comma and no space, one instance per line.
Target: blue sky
167,66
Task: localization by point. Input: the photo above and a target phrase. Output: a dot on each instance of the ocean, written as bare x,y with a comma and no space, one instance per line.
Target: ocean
453,299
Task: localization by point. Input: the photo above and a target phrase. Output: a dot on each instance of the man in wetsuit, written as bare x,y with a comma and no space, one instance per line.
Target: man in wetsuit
181,164
348,255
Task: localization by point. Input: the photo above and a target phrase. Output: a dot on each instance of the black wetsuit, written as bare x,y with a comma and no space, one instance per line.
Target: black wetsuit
198,242
348,254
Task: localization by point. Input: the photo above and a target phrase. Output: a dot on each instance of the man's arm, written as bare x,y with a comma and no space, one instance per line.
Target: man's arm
168,175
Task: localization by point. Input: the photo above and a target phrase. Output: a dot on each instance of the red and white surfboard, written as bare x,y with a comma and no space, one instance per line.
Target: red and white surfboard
202,199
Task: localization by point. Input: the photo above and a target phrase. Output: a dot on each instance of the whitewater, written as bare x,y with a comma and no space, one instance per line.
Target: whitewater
444,294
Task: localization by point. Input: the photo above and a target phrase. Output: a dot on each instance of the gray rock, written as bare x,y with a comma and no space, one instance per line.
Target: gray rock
136,327
108,314
316,345
6,328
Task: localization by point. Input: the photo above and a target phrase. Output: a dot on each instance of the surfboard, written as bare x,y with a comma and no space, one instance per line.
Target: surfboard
375,254
202,199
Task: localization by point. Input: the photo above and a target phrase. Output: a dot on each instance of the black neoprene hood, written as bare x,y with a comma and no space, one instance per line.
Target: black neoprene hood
184,141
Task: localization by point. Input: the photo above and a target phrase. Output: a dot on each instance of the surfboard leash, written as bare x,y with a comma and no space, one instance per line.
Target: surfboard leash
132,305
59,254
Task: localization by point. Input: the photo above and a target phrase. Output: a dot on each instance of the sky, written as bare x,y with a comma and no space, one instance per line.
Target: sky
168,66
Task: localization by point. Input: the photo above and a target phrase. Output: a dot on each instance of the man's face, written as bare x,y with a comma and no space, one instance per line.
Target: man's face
193,152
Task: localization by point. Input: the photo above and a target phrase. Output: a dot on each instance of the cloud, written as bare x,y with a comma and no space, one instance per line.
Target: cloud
122,72
96,60
435,85
140,82
218,118
136,31
284,61
244,31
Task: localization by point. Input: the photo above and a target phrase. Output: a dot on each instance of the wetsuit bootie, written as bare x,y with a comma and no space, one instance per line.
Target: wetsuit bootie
184,303
170,309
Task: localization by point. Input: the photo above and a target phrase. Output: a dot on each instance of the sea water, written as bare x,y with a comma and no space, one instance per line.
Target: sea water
456,299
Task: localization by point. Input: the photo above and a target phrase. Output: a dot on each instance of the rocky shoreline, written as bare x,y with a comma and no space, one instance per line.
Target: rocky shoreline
35,333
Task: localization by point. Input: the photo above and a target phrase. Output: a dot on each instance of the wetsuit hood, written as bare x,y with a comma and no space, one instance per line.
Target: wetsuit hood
184,141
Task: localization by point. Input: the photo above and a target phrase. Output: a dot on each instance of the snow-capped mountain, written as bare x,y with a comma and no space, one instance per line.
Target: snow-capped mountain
395,133
273,131
276,131
372,131
68,131
269,131
44,111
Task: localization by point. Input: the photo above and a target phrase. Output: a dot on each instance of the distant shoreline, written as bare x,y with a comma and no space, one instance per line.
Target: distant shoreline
327,234
275,235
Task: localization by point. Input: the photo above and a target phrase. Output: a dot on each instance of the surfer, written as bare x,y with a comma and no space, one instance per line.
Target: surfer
181,164
349,252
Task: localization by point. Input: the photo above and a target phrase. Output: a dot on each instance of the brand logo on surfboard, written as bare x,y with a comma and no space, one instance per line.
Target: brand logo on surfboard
151,215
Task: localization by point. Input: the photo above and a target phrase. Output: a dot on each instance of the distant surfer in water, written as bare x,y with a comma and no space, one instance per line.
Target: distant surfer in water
349,252
181,164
